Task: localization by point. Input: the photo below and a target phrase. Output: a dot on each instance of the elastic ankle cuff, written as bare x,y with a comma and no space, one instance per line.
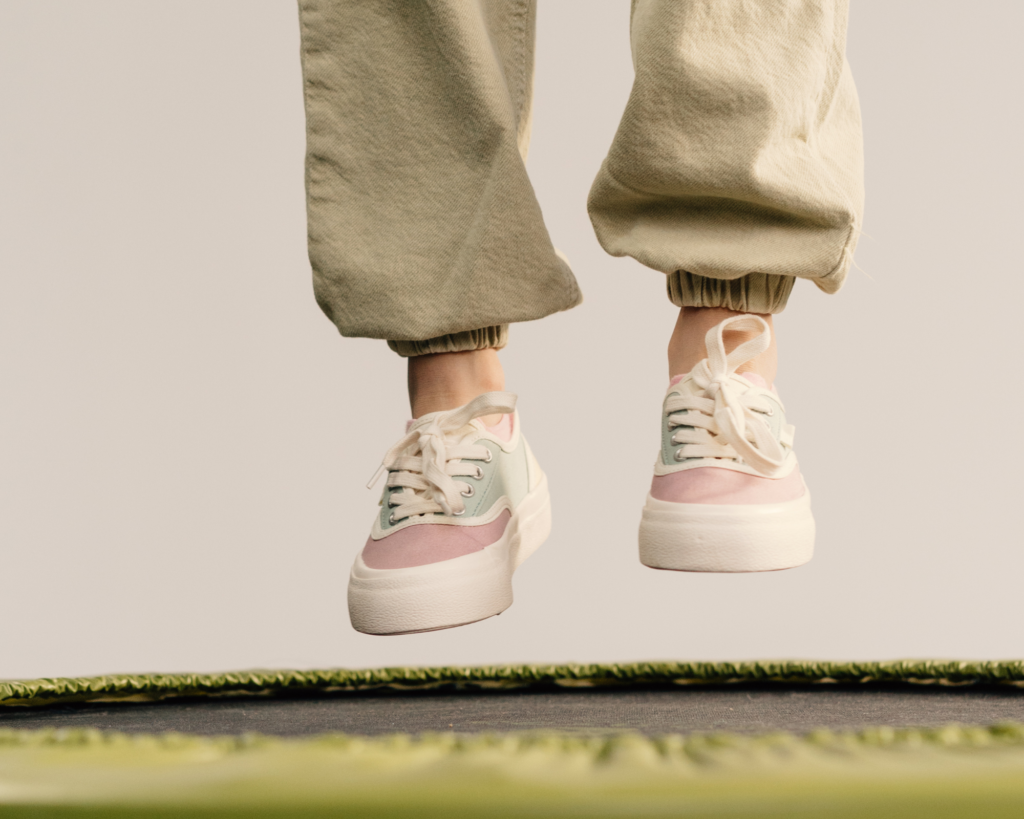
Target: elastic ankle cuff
753,293
483,339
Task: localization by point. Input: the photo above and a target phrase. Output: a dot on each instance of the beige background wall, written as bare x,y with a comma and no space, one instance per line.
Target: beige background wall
184,439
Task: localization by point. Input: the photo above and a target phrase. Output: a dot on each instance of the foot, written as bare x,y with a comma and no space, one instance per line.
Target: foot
727,494
464,505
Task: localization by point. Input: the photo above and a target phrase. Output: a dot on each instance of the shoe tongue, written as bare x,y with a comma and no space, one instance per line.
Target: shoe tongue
503,429
753,378
454,436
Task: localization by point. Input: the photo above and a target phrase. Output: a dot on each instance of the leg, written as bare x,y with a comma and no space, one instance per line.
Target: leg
424,230
686,348
442,381
737,168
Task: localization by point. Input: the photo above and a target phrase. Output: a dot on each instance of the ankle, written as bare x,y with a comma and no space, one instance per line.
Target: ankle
444,381
686,348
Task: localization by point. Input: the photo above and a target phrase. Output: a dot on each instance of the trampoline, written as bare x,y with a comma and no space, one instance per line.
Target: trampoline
646,739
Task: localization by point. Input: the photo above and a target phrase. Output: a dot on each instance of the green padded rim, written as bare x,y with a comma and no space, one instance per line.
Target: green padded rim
936,773
138,687
947,772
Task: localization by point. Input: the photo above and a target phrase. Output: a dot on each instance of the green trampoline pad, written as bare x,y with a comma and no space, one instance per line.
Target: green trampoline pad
648,739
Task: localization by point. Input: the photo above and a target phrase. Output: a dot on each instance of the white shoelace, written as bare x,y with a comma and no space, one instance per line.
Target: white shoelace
427,460
726,419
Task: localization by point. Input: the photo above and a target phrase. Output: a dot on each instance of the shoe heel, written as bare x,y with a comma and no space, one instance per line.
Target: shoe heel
533,524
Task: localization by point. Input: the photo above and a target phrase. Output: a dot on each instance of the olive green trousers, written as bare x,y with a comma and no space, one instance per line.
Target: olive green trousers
737,166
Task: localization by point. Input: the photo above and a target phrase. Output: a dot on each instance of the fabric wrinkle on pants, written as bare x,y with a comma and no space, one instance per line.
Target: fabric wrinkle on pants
736,168
738,164
422,221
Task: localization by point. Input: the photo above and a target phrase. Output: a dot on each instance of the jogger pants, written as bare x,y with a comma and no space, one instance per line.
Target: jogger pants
737,166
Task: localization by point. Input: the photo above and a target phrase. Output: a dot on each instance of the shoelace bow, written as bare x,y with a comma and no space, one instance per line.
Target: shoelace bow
726,420
427,460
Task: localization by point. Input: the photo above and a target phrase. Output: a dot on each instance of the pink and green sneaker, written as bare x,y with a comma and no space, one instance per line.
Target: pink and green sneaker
464,505
727,494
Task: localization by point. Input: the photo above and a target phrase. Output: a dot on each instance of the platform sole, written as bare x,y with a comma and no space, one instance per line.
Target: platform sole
454,592
692,537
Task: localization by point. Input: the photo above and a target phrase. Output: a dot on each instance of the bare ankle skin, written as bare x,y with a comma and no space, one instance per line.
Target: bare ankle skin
444,381
686,347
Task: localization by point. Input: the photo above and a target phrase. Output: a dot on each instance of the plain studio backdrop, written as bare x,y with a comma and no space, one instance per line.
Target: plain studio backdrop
186,439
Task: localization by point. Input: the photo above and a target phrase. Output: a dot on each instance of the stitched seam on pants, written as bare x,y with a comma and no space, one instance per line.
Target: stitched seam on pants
521,78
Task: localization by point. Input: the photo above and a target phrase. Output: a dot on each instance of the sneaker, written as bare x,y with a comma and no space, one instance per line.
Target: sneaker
463,507
727,494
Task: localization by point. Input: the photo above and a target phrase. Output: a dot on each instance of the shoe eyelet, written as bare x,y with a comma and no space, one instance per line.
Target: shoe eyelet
459,514
391,518
679,455
479,474
489,457
470,491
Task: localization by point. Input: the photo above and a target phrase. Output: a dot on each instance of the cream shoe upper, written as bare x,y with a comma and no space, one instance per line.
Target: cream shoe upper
452,485
721,427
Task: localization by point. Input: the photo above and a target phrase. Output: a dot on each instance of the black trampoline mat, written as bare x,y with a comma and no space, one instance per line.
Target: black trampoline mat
733,708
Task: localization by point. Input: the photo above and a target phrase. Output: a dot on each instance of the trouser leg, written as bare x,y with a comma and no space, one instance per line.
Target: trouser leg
423,226
738,163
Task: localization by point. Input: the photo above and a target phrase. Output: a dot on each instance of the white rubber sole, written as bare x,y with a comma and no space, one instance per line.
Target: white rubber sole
454,592
701,537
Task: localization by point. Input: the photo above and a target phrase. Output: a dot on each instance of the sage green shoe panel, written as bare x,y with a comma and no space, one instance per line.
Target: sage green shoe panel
668,449
507,474
775,421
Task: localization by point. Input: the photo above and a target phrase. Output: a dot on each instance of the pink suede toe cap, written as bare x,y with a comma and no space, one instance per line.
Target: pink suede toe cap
425,543
709,484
